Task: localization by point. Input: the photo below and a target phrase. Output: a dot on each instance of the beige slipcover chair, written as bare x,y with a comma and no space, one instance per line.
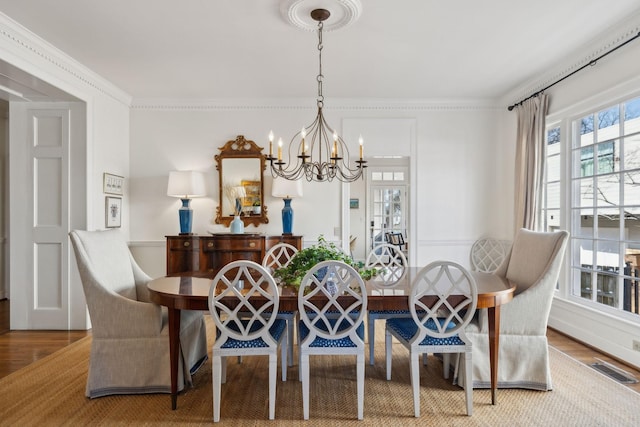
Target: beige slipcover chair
533,264
130,334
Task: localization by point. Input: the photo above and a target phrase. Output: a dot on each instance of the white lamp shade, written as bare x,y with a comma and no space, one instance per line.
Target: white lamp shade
186,184
286,189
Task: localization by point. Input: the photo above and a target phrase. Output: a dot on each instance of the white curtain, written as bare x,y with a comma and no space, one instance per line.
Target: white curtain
530,162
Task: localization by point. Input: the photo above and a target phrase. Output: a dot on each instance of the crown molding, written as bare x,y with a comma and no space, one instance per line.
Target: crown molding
337,104
588,52
47,62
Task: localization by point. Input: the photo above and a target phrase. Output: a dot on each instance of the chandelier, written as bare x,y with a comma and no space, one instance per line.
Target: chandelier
324,155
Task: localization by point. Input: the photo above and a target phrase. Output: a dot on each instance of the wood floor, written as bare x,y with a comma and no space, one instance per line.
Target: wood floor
20,348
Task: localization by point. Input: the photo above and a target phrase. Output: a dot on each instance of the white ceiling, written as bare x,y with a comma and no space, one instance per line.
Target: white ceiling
420,49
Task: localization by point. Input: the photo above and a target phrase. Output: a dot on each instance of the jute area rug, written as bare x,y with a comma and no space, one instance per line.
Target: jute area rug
50,392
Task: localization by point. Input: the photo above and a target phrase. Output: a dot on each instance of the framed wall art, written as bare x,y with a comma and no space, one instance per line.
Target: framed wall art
113,214
113,184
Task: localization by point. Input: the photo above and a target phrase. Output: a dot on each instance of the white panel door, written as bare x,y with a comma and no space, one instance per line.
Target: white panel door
39,215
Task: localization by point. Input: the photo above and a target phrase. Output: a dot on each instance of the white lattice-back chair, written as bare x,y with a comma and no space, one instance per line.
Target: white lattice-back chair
442,302
280,255
242,287
487,254
332,302
391,265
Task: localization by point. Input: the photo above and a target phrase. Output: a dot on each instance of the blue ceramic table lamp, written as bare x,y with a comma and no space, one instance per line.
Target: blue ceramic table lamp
286,190
186,185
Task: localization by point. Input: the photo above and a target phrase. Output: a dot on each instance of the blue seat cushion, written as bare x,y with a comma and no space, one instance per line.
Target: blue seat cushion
407,329
324,342
276,330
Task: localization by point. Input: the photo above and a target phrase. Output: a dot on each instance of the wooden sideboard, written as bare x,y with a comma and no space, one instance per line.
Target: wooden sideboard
203,256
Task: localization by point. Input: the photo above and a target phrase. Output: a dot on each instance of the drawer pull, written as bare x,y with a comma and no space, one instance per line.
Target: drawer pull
209,244
187,244
252,244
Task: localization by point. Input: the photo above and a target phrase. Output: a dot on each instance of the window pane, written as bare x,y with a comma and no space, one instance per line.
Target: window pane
632,225
376,176
607,289
553,195
631,287
553,136
586,160
399,176
583,266
609,123
585,130
553,168
609,224
632,152
387,176
606,157
608,190
552,220
631,190
632,116
583,223
585,192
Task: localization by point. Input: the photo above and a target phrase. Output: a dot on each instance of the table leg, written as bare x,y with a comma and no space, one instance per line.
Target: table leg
174,348
494,341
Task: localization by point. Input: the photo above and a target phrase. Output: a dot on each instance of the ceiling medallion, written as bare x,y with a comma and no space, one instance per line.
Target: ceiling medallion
298,13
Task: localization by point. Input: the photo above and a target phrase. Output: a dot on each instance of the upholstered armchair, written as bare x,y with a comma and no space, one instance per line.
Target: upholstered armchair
533,264
130,342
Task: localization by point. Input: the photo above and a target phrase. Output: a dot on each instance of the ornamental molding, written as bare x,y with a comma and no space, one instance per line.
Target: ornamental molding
37,52
343,13
583,56
305,105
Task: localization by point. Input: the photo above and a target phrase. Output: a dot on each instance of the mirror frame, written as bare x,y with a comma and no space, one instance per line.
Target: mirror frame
241,148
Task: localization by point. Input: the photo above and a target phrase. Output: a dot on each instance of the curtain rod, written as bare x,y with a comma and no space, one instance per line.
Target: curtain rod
590,64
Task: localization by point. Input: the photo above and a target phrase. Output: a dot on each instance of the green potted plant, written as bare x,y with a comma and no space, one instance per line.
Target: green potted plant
305,259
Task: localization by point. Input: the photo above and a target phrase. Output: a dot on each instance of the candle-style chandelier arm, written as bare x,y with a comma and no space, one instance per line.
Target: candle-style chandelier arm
316,152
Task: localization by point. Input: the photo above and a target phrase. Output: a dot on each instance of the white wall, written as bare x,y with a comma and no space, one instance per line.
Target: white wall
461,193
4,196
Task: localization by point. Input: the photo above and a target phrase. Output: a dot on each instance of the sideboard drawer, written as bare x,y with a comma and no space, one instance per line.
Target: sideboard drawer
179,244
232,244
182,254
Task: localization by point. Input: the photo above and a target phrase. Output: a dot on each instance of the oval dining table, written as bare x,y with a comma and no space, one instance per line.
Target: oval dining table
192,293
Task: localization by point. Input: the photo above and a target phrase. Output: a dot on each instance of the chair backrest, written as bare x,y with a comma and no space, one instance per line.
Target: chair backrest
332,301
104,260
533,255
243,287
390,263
443,300
487,254
278,256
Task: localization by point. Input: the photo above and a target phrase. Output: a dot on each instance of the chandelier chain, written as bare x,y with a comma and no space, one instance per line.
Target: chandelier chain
320,76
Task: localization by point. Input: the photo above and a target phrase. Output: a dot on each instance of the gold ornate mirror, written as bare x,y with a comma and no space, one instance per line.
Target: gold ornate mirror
240,167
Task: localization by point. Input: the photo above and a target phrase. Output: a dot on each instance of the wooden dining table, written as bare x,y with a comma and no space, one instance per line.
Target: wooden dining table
192,293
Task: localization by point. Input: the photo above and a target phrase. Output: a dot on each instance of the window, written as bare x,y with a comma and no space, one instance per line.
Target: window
551,201
388,203
604,205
